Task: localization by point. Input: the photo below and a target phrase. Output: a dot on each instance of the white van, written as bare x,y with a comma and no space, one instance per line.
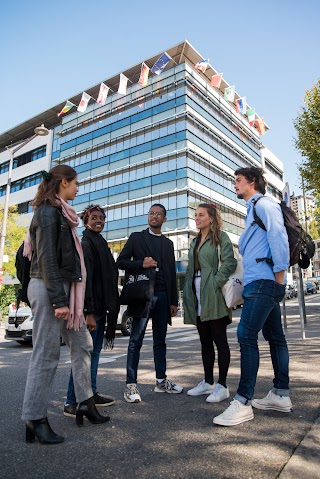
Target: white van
18,326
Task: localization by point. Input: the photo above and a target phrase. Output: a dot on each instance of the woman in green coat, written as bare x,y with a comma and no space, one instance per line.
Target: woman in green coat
203,302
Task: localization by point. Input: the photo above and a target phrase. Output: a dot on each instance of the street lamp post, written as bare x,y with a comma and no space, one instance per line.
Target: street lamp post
38,131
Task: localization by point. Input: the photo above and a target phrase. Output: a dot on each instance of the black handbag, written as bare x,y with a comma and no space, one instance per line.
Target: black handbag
138,288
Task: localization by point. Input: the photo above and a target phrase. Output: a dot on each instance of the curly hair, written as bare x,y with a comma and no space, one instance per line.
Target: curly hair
253,173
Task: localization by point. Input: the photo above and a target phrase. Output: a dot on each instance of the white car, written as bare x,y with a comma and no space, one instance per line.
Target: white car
18,326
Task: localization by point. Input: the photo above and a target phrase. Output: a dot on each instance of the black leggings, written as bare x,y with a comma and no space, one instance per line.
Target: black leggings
214,332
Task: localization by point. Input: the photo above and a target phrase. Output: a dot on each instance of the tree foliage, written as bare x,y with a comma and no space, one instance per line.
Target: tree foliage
14,237
307,126
7,296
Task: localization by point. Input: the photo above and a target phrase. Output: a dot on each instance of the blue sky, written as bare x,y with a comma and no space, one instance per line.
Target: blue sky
51,51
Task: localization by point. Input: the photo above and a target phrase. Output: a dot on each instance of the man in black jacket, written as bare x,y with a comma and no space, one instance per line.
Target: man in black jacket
143,251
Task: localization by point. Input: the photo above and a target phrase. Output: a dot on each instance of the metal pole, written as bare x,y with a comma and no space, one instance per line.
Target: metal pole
302,307
284,314
6,202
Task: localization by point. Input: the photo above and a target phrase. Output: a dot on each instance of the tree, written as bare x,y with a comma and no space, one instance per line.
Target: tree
307,126
7,296
14,237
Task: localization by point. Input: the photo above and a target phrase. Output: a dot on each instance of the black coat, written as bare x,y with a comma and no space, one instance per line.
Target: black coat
54,255
137,248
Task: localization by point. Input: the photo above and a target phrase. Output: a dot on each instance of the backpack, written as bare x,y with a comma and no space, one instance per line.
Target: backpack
301,245
22,265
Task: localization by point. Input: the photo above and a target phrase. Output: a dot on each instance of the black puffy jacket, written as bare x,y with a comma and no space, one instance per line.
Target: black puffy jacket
54,258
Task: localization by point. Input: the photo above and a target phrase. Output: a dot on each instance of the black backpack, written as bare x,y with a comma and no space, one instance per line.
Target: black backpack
22,265
301,245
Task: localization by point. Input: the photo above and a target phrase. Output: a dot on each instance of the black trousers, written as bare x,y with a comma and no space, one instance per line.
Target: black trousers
214,332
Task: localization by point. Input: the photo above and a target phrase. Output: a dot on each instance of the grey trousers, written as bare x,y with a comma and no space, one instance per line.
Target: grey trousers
46,353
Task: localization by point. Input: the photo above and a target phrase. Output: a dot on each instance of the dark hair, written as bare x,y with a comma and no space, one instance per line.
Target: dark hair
216,225
253,173
49,188
160,206
89,209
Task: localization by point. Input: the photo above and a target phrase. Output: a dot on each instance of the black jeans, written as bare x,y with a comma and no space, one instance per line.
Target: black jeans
214,332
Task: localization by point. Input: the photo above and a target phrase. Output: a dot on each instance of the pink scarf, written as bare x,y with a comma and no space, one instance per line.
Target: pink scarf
77,290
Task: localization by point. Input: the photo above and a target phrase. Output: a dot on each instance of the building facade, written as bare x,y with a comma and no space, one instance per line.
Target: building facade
175,141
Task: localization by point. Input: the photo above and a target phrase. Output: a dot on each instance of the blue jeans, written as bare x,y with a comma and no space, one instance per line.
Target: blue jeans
159,312
97,338
261,311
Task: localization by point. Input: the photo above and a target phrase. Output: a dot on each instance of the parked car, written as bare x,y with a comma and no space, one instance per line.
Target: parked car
18,326
311,288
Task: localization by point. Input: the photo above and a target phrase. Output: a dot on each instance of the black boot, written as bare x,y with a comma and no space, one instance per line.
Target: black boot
41,429
88,408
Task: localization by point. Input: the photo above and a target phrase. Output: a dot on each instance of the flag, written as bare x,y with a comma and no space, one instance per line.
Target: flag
216,80
202,65
241,105
83,102
103,93
122,90
251,115
260,126
286,194
229,93
161,63
66,108
143,80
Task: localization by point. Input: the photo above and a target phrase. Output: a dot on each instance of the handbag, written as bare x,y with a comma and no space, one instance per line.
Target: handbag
232,290
138,288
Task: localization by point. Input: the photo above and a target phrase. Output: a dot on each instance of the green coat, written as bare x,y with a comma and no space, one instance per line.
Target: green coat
213,305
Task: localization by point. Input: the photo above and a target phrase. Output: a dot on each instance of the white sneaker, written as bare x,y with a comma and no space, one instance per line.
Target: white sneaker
220,393
202,388
235,414
131,393
273,401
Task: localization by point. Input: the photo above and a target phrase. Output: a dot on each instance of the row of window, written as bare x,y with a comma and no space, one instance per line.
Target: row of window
24,159
273,170
22,183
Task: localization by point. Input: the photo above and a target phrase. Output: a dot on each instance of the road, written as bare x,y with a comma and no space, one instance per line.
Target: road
164,436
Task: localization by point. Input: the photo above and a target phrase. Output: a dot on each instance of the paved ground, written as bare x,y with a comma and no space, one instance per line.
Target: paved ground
171,436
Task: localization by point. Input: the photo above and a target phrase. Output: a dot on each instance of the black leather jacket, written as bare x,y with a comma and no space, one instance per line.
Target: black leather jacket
54,258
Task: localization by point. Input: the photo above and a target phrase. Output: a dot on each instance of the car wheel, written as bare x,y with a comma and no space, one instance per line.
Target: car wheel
126,324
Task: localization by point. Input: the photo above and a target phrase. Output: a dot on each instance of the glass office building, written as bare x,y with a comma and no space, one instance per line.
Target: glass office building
175,142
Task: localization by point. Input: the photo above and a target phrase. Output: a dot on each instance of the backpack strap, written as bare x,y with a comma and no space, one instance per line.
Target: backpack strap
259,222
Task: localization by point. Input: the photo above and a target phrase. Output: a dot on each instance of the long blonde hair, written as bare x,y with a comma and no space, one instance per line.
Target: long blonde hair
216,224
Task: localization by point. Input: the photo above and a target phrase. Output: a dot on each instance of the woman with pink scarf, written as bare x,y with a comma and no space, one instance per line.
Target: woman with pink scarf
56,294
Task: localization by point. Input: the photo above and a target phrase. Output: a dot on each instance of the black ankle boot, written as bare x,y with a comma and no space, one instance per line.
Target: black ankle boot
88,408
41,429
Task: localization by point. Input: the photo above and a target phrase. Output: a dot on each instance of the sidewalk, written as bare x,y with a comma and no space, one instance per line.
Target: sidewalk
305,460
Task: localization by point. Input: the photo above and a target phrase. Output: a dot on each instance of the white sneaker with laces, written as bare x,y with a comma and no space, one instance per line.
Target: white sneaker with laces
201,388
220,393
235,414
131,393
273,401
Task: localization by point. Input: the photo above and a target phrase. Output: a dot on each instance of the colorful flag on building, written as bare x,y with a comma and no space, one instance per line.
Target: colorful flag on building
216,80
241,105
260,125
229,93
161,63
103,93
251,114
83,102
66,108
143,80
202,65
122,90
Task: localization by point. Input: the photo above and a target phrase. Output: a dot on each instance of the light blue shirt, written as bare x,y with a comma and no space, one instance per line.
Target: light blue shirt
257,243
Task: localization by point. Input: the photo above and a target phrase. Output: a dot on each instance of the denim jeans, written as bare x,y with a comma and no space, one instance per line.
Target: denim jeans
261,311
97,338
159,313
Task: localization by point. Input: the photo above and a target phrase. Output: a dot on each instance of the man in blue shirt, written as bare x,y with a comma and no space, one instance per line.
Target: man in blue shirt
265,256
